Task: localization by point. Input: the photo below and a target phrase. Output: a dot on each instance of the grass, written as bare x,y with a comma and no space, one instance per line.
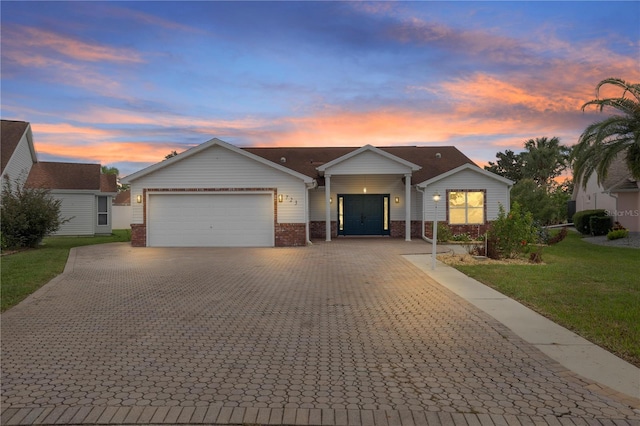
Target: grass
24,272
590,289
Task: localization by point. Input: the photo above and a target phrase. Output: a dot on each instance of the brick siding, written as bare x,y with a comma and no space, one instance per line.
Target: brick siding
291,234
138,235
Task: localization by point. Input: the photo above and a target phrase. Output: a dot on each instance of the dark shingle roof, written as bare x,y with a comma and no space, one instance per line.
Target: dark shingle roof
10,134
619,176
123,198
305,160
81,176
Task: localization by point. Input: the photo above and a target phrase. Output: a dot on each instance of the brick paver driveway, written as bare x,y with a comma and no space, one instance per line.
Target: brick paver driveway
347,332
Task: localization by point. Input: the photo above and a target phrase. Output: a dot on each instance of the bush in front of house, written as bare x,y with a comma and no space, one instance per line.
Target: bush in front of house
617,234
510,234
599,225
444,232
27,215
581,220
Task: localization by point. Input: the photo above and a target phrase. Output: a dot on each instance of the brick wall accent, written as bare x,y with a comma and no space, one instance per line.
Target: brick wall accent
397,229
291,234
473,230
317,229
138,235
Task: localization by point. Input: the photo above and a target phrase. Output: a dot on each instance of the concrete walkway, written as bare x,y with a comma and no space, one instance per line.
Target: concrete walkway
342,333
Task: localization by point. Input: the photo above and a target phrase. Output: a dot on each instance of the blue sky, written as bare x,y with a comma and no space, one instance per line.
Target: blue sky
125,83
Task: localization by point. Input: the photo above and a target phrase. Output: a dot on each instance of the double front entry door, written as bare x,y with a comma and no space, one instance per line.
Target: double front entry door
363,214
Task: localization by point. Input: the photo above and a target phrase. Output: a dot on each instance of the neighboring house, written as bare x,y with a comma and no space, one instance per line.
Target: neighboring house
84,192
216,194
618,195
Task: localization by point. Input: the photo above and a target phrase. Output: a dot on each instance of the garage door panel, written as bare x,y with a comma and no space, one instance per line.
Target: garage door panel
206,220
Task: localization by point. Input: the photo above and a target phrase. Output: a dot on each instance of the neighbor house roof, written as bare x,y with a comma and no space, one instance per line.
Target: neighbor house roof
619,177
76,176
123,198
306,160
11,132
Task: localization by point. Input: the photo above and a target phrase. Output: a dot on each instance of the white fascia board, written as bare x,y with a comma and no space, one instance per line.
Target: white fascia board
32,148
467,166
324,167
195,150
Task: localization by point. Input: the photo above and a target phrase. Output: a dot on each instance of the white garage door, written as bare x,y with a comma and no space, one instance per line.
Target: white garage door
210,220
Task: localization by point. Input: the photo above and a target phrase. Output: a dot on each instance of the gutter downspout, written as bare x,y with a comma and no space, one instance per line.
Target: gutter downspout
423,191
312,185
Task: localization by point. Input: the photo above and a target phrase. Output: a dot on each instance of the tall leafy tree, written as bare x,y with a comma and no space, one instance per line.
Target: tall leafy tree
544,160
509,165
605,140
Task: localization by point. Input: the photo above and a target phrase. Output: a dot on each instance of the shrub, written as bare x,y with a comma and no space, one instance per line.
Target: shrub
599,225
444,232
27,215
617,233
510,234
581,220
463,238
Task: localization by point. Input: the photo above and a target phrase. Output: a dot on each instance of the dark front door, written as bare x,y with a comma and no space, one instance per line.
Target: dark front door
363,214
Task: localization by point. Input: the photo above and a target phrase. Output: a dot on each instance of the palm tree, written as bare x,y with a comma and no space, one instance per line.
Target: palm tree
619,134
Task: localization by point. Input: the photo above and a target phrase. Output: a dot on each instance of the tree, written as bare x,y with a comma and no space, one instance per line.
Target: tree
547,206
27,215
109,170
619,134
544,160
509,165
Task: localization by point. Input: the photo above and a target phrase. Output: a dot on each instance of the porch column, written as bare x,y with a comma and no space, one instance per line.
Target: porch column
407,197
327,204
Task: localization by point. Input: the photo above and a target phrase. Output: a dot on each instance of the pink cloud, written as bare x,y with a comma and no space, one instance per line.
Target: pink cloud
28,38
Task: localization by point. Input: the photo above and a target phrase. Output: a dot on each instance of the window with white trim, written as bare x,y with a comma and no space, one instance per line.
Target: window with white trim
466,207
103,211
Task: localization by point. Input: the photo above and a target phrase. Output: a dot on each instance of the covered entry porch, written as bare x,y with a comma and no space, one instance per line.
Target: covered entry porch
364,190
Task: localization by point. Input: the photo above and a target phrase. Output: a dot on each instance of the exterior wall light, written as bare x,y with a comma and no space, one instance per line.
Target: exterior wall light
280,198
139,199
330,200
397,200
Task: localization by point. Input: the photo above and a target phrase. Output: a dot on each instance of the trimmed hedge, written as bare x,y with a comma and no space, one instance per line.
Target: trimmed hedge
599,225
582,218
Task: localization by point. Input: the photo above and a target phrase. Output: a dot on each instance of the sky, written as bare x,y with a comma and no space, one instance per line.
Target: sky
126,83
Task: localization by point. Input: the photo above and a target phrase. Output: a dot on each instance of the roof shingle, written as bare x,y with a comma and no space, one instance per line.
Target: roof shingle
53,175
10,133
305,160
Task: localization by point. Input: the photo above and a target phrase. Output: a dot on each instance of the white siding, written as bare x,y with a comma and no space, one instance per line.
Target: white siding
496,193
367,162
218,167
81,207
19,165
375,184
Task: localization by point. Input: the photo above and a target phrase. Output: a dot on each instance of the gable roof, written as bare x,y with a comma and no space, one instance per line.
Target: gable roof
10,134
214,142
307,160
413,167
471,167
76,176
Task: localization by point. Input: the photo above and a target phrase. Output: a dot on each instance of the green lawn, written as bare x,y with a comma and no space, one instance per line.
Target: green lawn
590,289
24,272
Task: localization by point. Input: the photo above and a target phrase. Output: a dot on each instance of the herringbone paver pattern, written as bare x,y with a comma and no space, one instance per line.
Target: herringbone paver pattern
340,333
